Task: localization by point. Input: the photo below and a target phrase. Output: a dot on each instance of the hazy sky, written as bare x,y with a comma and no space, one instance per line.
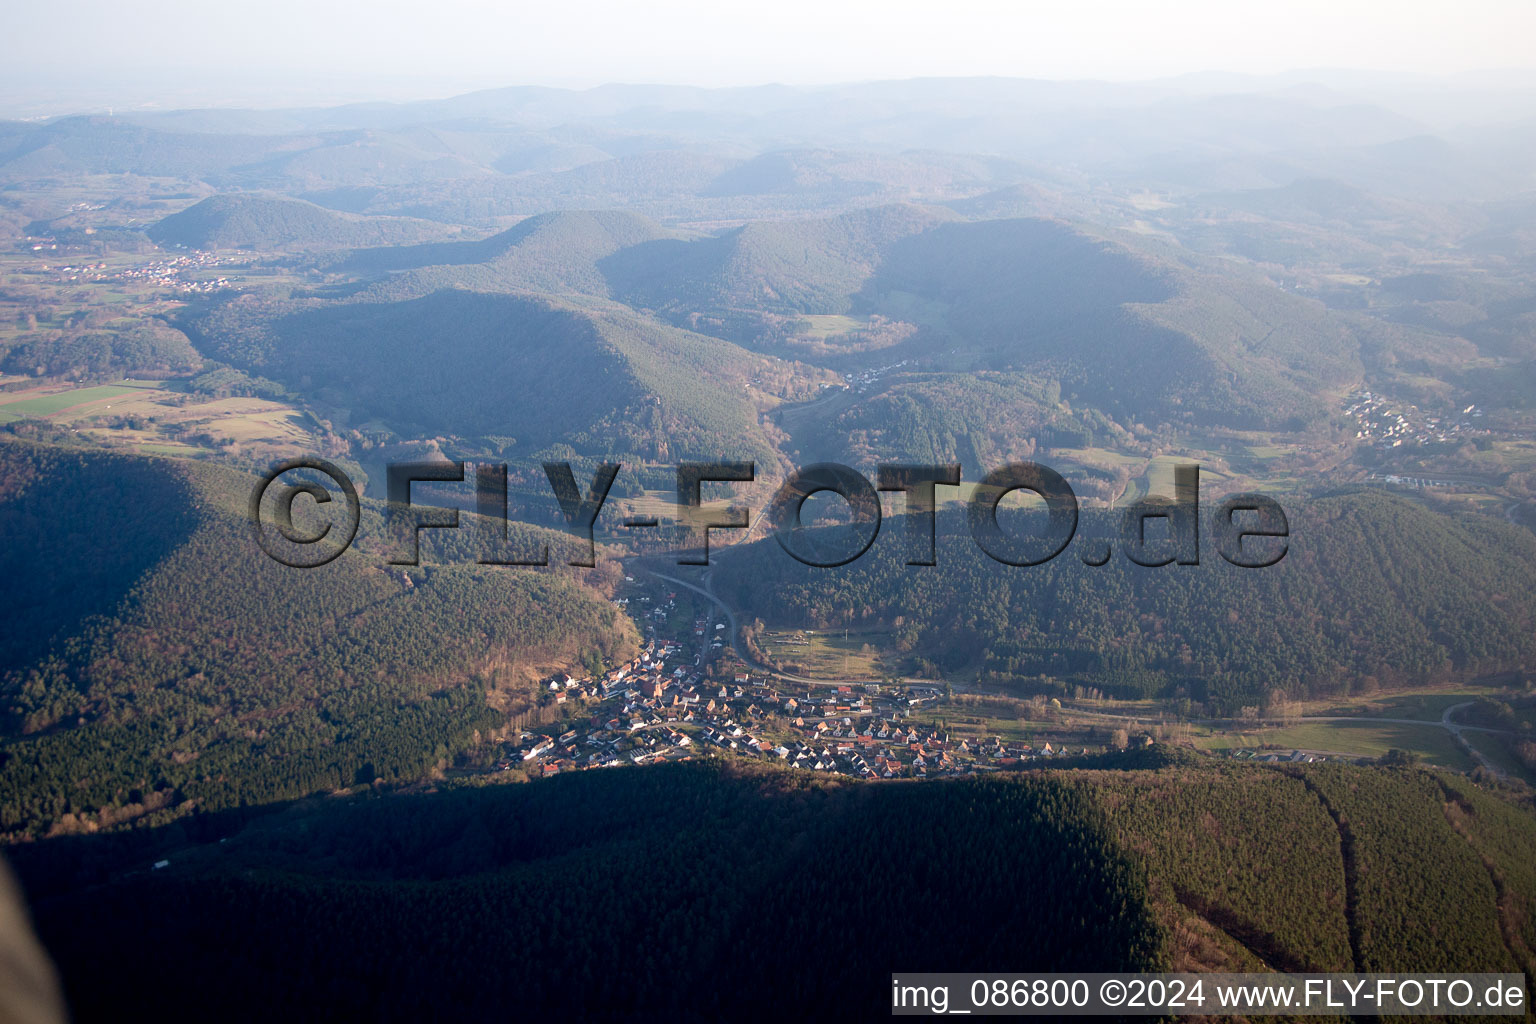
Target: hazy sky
291,48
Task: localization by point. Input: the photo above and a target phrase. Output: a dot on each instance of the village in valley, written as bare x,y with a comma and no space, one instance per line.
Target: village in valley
687,694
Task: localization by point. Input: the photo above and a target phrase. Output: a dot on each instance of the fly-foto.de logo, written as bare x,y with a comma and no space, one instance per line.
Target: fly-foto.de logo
1247,530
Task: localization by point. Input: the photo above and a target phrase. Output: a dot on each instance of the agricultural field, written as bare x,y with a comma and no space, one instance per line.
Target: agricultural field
1364,738
1424,705
1152,475
163,418
1104,458
659,504
54,401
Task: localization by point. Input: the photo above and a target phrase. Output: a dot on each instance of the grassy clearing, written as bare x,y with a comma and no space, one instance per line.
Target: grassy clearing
961,493
252,423
41,405
829,655
962,724
1425,705
653,503
1159,475
1504,457
251,419
170,449
1364,738
1098,457
828,325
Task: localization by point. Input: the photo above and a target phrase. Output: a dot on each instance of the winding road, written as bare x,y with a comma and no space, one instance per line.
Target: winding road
736,643
1446,721
742,653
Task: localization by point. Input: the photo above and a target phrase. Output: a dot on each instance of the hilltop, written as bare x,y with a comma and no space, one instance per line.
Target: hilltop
267,223
556,253
798,266
1132,330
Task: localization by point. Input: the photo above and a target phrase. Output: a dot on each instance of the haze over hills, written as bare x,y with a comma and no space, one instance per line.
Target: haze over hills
240,221
253,222
236,786
491,152
557,253
1126,330
783,267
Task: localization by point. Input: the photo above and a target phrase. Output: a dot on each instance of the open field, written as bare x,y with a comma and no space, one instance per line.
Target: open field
249,420
1097,457
829,654
177,450
661,504
1147,475
1365,738
962,494
48,402
167,421
963,724
827,325
1425,704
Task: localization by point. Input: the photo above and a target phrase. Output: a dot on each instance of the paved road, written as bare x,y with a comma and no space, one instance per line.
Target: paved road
741,652
736,642
1456,730
1446,722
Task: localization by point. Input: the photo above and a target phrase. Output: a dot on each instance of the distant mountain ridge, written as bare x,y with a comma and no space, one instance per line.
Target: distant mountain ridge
270,222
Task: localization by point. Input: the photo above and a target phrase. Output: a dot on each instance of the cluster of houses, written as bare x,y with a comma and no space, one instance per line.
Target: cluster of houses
1276,756
661,707
862,381
165,272
1416,482
1387,424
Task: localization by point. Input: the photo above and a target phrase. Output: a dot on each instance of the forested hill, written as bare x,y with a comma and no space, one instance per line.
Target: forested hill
595,377
1130,330
590,895
1135,329
798,266
170,665
1375,590
644,341
556,253
266,223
